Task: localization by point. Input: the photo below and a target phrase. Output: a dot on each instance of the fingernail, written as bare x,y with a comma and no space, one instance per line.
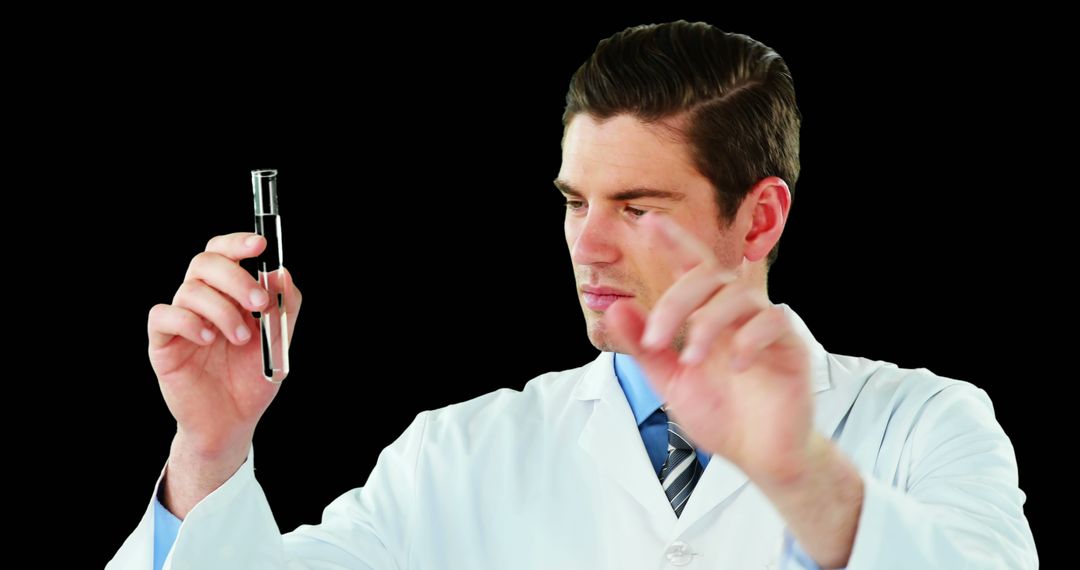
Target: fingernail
242,333
252,240
258,297
207,335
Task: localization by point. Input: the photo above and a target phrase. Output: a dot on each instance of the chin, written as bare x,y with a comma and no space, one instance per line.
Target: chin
598,335
601,339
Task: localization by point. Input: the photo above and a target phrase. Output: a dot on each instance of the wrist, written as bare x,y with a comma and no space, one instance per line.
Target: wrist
215,449
822,506
192,472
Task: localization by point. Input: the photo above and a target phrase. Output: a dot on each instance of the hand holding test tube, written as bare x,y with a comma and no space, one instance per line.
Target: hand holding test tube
202,349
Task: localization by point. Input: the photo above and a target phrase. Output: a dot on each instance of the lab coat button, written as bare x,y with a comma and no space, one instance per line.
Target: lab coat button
679,553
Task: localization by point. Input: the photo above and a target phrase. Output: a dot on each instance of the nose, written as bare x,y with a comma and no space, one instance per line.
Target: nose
592,239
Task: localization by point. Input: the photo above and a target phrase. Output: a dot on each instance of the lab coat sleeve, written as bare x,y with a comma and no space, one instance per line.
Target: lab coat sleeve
962,507
233,527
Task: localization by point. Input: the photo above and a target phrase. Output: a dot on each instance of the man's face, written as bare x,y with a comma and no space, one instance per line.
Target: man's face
609,246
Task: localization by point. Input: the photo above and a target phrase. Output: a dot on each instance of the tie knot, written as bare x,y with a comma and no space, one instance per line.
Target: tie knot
677,438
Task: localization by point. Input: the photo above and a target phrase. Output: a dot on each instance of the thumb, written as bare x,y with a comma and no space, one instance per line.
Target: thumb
625,322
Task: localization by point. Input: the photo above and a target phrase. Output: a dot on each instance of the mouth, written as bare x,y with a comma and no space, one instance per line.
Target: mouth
600,298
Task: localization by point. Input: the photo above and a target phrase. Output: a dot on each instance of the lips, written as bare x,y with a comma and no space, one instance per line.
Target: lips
606,291
600,298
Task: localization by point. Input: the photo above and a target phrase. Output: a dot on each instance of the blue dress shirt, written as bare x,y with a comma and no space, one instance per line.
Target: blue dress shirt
166,527
644,402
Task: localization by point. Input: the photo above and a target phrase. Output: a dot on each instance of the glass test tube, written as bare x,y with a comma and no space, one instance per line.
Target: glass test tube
273,320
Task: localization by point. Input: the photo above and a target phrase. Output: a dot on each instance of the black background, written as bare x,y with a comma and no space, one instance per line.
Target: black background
416,159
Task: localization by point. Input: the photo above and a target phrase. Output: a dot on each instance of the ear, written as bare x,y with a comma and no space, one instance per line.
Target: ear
766,208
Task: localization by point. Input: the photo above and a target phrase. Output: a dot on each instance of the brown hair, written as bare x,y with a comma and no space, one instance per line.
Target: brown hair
737,96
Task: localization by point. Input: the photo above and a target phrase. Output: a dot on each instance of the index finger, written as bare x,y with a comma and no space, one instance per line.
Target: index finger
686,250
237,245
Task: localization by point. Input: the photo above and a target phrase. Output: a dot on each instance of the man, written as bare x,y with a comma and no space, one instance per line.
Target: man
711,431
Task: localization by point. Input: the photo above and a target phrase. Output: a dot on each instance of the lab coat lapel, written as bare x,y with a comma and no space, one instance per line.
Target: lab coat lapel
611,437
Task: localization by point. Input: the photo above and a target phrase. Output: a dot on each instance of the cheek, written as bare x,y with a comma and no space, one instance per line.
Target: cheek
655,285
657,274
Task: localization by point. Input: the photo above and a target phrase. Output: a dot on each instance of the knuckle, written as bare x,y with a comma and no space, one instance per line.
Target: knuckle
185,289
194,265
202,258
201,264
155,313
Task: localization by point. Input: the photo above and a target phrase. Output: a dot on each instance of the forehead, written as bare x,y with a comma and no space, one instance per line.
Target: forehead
623,151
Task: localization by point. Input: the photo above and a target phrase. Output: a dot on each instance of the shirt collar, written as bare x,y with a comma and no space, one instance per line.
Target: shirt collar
643,400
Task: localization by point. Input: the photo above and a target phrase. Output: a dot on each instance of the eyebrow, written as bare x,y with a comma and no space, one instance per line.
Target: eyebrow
627,194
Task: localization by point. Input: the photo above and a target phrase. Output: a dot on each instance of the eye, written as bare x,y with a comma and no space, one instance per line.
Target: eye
636,213
573,205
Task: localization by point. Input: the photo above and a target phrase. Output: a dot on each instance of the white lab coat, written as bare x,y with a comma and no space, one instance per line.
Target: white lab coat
556,477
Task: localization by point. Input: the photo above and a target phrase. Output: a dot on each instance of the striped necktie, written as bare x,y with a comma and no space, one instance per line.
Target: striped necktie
681,470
